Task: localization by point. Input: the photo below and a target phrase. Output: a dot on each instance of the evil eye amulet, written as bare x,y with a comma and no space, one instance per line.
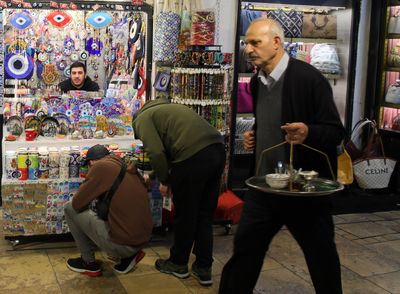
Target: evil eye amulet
67,51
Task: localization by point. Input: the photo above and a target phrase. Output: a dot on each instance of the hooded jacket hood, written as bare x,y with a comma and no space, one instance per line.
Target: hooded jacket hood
149,104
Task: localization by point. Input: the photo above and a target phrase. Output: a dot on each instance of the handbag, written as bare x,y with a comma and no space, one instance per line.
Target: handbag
394,56
319,26
103,202
351,146
344,167
166,34
394,24
291,21
393,93
374,172
324,57
244,99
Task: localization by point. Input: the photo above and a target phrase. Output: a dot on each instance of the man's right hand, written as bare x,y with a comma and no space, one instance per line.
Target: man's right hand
249,140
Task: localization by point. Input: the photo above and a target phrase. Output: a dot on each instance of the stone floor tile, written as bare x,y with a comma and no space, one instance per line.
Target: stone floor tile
361,241
349,236
366,229
270,263
389,249
337,219
36,289
282,281
367,264
194,286
154,283
353,283
26,269
360,217
72,282
392,237
390,215
395,226
388,281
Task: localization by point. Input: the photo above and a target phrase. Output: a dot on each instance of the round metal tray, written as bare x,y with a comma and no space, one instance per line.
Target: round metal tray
323,187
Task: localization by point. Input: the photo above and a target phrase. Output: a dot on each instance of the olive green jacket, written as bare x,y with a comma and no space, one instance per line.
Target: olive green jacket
171,133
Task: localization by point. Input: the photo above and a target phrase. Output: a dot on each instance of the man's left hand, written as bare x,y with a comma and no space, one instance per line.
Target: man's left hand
165,190
296,132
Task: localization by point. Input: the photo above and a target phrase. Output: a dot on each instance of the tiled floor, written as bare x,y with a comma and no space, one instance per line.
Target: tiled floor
368,244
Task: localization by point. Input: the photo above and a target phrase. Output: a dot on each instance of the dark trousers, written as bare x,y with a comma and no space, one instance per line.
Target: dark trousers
309,221
195,185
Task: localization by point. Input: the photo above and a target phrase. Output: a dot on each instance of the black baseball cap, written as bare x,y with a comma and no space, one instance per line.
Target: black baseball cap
95,152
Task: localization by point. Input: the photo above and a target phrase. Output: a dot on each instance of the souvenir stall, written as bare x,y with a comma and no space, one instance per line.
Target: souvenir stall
45,131
190,65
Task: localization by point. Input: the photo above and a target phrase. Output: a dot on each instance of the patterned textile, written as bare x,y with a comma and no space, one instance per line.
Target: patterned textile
291,21
246,17
166,36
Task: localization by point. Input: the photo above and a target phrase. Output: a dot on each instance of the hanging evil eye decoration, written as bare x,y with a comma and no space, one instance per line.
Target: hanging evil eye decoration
42,56
21,20
18,66
74,57
67,51
62,65
99,19
67,71
83,55
135,28
58,57
94,46
68,42
59,19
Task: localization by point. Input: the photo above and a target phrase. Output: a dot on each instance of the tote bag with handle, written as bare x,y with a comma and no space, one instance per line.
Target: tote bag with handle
166,33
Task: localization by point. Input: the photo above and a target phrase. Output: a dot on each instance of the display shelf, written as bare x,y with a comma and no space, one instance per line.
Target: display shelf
245,74
391,105
389,68
307,40
393,36
122,141
5,181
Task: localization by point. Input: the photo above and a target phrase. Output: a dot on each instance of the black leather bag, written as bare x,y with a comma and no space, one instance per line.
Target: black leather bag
104,201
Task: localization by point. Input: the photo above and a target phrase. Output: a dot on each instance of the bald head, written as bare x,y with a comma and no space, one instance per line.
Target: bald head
264,43
268,26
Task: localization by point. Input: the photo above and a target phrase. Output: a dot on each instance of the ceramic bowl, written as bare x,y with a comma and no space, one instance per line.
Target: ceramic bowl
277,181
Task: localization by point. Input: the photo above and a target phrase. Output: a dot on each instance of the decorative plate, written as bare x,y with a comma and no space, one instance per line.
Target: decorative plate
102,123
49,127
87,122
64,122
14,126
32,122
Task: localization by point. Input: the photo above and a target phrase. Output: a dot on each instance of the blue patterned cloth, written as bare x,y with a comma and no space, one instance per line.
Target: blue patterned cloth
291,21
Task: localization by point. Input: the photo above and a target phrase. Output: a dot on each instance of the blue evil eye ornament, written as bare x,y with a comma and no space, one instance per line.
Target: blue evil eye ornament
99,19
94,46
18,66
21,20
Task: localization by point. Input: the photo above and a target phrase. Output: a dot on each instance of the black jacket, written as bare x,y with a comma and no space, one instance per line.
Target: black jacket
307,97
88,85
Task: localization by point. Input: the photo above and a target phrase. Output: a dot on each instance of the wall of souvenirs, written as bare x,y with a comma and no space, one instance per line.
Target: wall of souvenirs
46,132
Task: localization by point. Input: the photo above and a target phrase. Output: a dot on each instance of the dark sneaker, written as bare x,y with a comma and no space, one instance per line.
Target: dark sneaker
203,274
92,269
126,264
168,267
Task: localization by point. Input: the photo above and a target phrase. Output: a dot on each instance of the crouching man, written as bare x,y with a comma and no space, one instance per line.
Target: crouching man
129,224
